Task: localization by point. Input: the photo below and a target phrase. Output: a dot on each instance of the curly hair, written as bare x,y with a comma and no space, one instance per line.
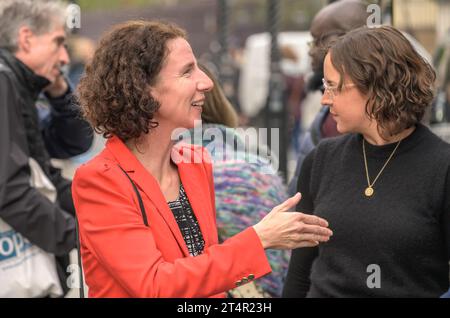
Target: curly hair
384,66
114,93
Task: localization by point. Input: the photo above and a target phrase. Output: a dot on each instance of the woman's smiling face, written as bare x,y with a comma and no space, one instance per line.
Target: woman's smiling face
180,87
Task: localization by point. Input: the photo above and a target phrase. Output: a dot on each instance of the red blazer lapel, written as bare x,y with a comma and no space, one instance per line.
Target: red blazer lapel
148,185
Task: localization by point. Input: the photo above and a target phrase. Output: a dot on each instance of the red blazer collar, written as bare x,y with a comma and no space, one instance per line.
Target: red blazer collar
194,179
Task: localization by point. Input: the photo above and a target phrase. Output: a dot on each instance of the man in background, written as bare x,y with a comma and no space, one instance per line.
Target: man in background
32,53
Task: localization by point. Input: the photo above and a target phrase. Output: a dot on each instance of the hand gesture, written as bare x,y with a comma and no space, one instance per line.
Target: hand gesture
281,229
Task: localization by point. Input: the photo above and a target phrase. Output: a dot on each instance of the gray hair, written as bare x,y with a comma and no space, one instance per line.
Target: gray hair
41,16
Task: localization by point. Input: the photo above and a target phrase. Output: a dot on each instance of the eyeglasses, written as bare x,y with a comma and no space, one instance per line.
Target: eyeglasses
332,91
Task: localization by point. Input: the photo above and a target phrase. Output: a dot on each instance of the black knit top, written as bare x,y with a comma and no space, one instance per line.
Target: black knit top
187,222
393,244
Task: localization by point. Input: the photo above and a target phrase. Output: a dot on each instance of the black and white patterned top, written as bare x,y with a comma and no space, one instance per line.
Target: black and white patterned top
187,222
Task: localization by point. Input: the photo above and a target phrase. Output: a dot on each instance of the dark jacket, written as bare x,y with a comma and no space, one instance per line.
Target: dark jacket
47,225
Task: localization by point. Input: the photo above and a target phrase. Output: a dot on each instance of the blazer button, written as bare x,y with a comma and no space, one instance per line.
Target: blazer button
251,277
238,283
244,280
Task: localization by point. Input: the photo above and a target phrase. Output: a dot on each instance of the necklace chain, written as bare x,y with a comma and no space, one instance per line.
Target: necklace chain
369,190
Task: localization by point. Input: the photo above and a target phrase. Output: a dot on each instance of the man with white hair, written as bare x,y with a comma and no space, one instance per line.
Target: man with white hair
32,53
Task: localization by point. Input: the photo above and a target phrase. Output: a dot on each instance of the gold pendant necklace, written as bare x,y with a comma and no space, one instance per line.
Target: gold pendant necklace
369,191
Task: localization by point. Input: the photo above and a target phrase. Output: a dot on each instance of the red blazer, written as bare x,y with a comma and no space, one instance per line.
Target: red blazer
124,258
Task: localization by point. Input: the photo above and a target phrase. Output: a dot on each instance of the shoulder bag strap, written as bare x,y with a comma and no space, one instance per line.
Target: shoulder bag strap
141,204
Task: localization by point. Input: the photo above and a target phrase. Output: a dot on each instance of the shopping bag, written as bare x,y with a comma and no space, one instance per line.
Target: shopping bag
25,269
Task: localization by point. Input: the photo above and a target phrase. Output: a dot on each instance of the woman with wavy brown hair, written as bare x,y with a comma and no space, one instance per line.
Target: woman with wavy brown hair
145,205
384,186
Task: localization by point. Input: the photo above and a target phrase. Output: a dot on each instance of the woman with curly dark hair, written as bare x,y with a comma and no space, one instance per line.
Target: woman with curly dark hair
145,205
384,186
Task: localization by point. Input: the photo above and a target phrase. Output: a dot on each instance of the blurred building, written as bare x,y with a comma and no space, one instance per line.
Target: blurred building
198,17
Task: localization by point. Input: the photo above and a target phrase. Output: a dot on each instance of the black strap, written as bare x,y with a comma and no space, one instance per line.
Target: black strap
80,268
144,218
141,204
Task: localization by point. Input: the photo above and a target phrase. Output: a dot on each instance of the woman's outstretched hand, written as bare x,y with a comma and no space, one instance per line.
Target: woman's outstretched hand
285,230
